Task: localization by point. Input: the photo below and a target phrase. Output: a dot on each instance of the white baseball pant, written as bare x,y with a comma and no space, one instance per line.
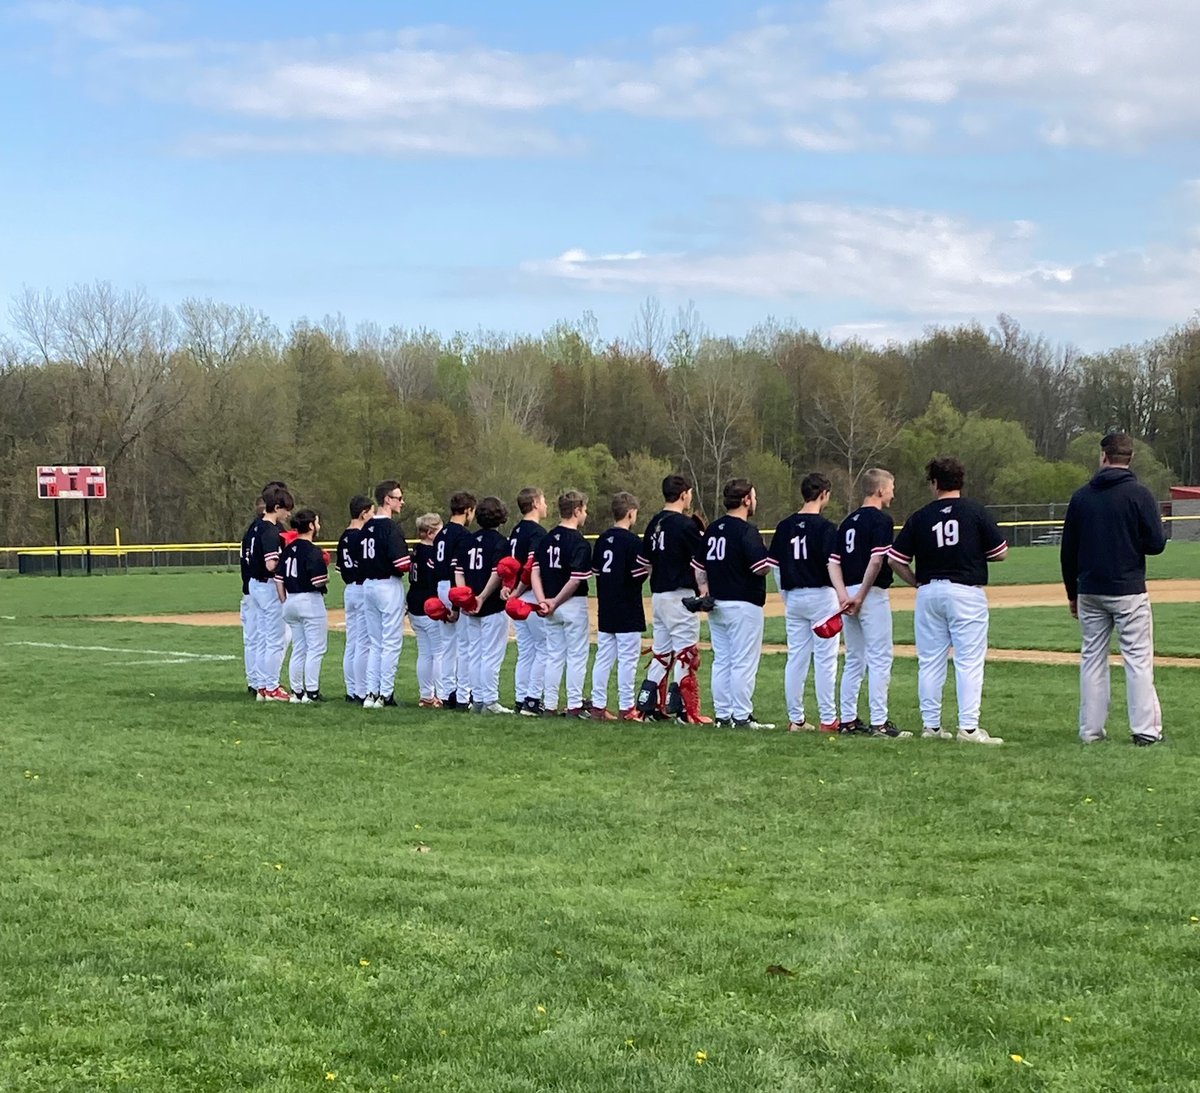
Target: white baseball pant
675,629
804,609
736,628
269,633
1134,621
305,614
354,660
487,639
566,650
868,652
249,638
383,610
623,650
430,640
531,653
455,676
949,614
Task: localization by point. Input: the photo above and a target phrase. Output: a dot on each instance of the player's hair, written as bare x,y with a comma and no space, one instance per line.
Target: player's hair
570,502
384,488
281,485
304,520
946,473
359,504
735,492
623,503
674,487
277,497
814,485
1118,448
427,522
461,502
874,480
491,512
527,499
260,506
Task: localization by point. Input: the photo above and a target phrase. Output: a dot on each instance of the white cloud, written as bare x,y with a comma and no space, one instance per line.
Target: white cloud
925,265
93,22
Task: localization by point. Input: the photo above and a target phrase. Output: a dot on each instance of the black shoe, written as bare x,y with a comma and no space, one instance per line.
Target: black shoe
532,707
888,729
355,699
389,700
1145,740
252,691
315,696
451,703
752,722
724,722
851,728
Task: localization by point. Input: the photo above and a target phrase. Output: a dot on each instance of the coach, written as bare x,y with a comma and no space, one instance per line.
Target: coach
1112,523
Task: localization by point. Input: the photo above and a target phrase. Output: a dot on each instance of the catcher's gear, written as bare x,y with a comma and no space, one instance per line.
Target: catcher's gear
647,699
698,603
463,598
517,609
674,703
830,627
509,571
689,687
436,610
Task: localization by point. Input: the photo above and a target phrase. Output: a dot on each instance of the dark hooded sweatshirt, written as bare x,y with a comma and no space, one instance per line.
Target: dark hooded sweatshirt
1112,523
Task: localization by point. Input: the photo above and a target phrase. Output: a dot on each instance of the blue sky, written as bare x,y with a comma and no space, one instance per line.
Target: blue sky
859,167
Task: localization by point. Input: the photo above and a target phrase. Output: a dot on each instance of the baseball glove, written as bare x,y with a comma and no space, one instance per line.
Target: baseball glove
697,603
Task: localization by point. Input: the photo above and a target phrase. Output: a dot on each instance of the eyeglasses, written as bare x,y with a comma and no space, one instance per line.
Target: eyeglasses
395,497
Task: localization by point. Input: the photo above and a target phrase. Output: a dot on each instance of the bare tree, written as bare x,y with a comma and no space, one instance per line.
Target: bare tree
409,358
507,381
648,332
217,335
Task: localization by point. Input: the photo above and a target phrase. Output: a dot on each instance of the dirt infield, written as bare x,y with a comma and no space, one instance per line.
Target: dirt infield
903,599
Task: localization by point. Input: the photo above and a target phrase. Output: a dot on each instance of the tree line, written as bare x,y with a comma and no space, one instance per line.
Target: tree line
193,407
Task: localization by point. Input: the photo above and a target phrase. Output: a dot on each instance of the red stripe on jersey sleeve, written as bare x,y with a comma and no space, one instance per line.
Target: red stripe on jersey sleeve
998,552
879,550
894,553
403,564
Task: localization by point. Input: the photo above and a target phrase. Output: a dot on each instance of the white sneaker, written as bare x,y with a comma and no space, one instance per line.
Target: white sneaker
495,708
372,702
936,734
978,736
752,723
296,698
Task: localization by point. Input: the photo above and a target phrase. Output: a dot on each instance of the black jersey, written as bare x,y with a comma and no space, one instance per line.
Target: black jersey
302,568
422,578
383,550
864,534
735,560
563,554
670,544
265,545
620,574
349,555
524,538
445,546
476,561
801,547
248,552
952,539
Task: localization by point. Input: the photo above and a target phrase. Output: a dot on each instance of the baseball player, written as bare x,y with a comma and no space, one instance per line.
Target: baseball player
861,578
1112,523
950,542
562,564
246,609
301,581
486,623
733,562
619,578
671,542
800,549
422,584
262,559
384,558
454,683
531,631
354,660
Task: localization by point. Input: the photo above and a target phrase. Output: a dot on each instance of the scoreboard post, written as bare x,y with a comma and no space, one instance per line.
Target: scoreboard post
72,483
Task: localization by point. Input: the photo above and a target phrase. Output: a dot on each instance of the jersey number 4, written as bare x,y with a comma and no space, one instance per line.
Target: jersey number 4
946,533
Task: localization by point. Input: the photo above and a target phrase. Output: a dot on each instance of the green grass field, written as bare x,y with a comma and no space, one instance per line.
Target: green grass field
203,893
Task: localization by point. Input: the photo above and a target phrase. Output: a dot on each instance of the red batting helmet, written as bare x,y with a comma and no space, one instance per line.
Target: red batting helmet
435,609
463,598
509,570
517,609
830,627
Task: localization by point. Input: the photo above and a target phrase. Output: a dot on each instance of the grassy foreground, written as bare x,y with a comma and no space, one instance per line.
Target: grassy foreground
201,893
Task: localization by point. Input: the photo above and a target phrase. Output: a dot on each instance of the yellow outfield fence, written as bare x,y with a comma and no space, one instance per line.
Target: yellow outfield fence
106,557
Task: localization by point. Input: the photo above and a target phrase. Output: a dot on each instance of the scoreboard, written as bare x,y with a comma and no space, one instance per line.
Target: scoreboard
72,483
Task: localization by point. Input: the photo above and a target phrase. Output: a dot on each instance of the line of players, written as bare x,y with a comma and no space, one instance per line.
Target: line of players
466,586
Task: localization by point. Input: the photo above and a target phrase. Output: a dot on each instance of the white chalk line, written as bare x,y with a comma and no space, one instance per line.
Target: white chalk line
158,654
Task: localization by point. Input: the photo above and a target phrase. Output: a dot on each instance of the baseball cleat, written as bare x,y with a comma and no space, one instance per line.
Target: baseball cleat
276,695
854,727
251,690
429,704
977,736
315,696
724,722
388,700
580,713
297,697
372,702
1145,740
799,726
600,713
752,722
888,729
631,714
932,733
495,708
532,707
829,726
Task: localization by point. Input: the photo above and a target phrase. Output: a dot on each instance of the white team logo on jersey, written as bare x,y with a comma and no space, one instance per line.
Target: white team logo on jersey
948,508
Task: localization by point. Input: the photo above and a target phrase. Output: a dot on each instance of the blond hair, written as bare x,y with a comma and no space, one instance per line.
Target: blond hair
427,522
